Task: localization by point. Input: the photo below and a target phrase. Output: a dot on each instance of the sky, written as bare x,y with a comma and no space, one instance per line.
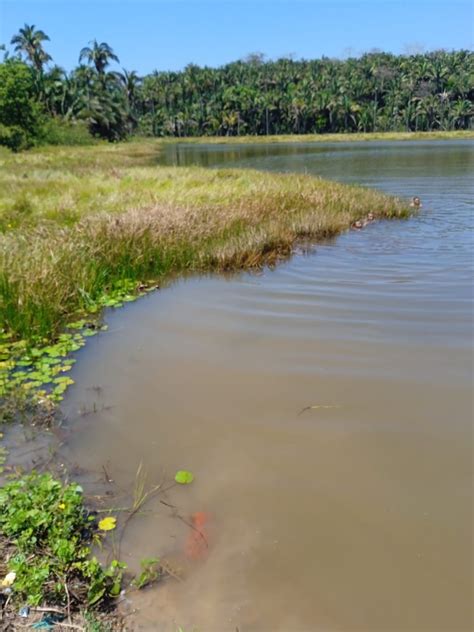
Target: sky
152,35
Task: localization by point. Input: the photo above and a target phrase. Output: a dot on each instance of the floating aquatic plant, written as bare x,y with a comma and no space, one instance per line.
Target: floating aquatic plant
183,477
108,524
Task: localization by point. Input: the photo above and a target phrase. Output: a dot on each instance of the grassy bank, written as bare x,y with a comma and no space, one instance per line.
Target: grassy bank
84,228
329,138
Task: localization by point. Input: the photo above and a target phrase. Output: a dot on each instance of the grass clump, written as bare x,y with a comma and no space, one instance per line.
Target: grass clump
86,228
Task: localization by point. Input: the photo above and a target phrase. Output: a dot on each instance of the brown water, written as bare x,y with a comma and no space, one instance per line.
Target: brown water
353,516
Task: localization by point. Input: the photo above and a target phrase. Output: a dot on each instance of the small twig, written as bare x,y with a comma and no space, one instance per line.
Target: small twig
169,572
84,412
68,601
168,504
26,452
48,609
318,406
51,458
111,509
190,524
108,479
186,522
5,606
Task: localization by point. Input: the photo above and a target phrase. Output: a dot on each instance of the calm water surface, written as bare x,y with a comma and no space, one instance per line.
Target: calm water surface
353,516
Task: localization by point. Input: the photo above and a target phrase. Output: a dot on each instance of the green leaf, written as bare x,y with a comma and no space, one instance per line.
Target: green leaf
183,477
63,380
78,324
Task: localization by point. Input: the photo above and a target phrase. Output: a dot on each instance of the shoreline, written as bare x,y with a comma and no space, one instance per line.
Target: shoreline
324,138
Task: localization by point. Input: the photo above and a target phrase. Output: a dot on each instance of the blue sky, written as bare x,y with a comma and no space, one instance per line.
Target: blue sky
168,34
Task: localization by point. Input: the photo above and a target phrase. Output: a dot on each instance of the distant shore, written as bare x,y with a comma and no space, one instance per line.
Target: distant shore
326,138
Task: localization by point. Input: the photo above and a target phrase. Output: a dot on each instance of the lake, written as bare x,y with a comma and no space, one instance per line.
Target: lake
324,407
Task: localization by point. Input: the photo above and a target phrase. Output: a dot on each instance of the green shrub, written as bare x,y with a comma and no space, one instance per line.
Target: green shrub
57,131
14,137
21,116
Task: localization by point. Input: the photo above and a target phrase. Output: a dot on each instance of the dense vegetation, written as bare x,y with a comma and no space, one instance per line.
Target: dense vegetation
376,92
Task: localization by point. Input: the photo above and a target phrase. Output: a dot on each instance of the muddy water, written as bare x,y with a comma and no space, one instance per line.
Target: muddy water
356,514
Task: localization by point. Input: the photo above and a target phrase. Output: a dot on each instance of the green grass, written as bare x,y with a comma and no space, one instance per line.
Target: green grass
327,138
83,228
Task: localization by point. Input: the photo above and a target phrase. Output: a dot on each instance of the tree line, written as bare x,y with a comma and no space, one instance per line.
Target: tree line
375,92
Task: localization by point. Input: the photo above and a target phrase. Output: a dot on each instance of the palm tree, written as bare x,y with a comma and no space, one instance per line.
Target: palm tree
131,82
3,49
98,55
29,40
461,114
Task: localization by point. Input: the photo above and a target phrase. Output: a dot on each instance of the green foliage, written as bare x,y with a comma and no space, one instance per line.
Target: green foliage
14,137
375,92
106,112
37,369
21,115
93,624
98,55
183,477
57,131
29,41
49,529
150,573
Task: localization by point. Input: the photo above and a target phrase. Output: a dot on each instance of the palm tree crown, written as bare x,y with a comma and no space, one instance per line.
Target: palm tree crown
98,55
29,40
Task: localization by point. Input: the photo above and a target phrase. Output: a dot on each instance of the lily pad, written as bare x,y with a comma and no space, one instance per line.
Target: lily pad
183,477
108,524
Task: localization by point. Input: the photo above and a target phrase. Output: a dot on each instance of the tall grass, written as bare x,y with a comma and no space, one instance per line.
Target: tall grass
78,223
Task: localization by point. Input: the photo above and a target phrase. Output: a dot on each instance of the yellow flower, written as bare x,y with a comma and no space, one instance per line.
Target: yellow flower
62,506
108,523
9,579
